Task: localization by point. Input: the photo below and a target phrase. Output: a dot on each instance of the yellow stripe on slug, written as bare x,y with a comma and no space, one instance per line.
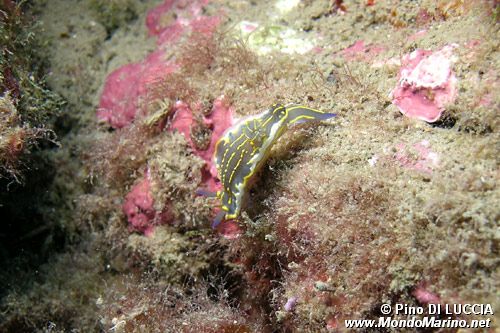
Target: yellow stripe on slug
260,132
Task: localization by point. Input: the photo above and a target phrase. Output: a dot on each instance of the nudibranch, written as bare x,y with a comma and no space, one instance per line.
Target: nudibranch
243,149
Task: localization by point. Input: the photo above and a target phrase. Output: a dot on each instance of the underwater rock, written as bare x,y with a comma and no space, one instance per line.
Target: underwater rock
264,39
426,84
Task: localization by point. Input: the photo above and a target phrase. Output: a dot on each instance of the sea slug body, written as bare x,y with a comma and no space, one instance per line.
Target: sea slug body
243,149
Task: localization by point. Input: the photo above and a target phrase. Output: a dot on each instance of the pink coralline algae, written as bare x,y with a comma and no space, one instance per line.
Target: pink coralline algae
423,161
426,84
229,229
417,157
125,87
170,20
359,51
138,205
290,303
424,296
417,35
219,119
332,323
140,211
